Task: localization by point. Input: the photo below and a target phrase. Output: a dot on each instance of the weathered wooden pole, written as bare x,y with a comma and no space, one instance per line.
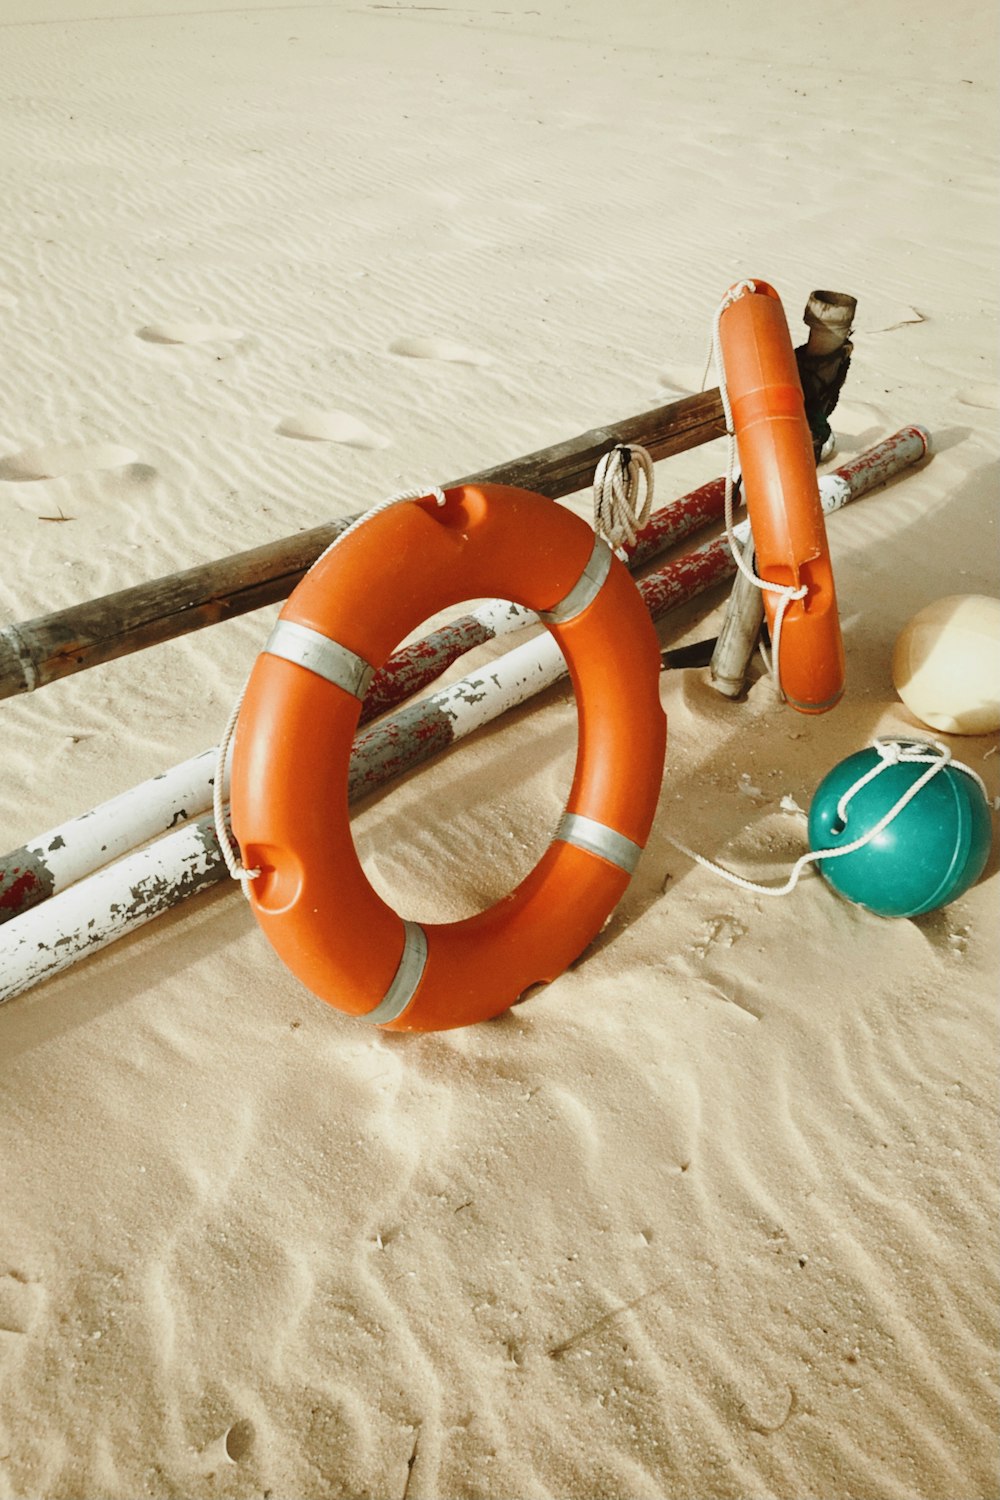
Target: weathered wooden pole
123,896
824,360
738,635
48,864
44,649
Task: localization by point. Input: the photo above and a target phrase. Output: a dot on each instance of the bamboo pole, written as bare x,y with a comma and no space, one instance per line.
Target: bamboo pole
123,896
42,650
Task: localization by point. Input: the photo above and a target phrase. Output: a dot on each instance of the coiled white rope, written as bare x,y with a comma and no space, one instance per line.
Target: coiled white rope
623,473
891,753
227,845
786,594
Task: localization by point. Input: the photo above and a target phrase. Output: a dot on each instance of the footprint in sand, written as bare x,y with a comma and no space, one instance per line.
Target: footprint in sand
722,931
985,397
188,333
60,460
228,1448
443,197
444,349
20,1303
316,426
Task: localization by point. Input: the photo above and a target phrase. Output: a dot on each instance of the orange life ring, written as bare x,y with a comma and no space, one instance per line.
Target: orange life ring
782,494
295,730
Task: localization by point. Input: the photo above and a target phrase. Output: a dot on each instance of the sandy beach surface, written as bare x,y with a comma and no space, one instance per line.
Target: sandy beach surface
714,1215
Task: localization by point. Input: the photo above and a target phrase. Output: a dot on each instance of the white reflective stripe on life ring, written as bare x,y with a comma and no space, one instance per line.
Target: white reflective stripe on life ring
586,588
406,978
598,838
319,654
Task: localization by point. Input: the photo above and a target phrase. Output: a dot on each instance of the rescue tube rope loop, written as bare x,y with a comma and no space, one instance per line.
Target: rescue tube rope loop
786,595
624,472
227,845
891,752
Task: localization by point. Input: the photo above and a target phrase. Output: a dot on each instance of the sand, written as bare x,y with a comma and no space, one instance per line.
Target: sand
713,1215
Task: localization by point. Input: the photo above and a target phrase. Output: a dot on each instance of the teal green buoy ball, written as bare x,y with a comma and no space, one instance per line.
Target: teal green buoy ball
935,849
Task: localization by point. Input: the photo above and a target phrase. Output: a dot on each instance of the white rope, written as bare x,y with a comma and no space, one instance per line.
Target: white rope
624,472
227,844
786,594
891,753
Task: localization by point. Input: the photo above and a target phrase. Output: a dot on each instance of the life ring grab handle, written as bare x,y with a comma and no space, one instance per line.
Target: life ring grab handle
585,590
406,980
600,839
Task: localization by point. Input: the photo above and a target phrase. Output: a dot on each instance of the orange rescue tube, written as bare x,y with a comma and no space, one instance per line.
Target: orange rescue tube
293,742
782,494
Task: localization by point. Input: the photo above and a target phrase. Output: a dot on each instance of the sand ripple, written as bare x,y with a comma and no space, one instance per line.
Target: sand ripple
714,1215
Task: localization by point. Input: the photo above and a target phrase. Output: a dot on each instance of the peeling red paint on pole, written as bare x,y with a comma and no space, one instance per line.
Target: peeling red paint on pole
414,667
25,880
877,465
675,522
687,577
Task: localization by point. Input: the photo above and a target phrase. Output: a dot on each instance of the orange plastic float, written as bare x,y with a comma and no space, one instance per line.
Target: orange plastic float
782,494
293,745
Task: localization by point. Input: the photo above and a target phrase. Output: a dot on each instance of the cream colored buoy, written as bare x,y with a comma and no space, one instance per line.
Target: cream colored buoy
946,664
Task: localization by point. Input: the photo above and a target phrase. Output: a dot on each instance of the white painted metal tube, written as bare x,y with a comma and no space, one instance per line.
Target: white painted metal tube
54,860
105,906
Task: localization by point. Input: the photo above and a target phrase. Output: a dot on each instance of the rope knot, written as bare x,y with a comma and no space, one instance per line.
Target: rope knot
622,474
930,753
736,291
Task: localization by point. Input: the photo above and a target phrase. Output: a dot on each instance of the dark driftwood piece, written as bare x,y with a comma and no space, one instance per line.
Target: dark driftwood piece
57,645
